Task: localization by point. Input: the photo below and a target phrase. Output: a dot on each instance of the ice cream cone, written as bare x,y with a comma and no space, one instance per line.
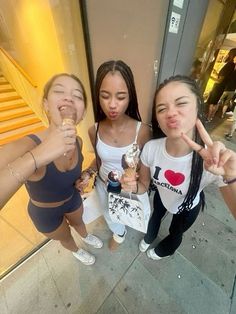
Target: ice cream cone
68,115
130,172
130,161
68,121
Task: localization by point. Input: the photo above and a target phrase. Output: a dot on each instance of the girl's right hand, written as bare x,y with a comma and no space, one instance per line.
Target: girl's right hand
59,141
128,183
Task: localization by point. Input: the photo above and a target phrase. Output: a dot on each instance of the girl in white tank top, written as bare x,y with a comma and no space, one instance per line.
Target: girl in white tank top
119,126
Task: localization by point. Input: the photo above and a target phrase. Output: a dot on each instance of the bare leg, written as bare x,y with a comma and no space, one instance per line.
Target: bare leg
211,112
63,234
233,127
76,221
225,107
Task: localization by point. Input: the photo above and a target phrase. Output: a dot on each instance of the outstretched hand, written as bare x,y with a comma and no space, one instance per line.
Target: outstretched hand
217,158
82,183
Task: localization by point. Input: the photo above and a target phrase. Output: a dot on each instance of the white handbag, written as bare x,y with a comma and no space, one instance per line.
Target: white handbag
132,210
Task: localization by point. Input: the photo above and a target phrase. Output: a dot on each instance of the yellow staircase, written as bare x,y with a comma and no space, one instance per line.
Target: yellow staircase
16,117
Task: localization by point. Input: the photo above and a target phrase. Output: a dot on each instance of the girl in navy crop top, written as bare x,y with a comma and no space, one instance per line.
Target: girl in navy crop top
50,164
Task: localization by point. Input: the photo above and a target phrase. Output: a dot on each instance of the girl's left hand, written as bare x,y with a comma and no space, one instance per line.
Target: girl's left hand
217,158
82,183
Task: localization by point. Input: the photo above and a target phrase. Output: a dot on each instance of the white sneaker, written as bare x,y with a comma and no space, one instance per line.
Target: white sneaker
143,246
93,240
119,239
84,257
229,113
151,254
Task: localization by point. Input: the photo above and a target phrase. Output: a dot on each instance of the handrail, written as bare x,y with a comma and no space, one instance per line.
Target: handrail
18,67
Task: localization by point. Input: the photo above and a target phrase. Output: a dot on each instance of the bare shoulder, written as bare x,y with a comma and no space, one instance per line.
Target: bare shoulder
13,150
145,134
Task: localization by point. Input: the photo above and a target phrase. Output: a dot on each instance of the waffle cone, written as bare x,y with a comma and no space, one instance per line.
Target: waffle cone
130,172
68,121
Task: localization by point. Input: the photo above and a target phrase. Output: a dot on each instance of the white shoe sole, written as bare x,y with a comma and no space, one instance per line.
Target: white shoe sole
142,247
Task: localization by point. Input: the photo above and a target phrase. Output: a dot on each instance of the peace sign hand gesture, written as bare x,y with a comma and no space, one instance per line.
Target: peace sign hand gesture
218,159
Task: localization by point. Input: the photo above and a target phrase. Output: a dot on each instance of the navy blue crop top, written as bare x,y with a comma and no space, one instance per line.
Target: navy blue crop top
55,186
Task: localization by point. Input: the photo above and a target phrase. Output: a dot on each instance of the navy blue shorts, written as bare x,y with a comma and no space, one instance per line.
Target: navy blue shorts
49,219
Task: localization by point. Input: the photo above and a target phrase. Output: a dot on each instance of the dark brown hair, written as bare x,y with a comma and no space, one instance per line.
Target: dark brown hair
113,66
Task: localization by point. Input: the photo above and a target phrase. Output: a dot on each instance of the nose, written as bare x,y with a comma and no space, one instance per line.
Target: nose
112,103
171,111
68,97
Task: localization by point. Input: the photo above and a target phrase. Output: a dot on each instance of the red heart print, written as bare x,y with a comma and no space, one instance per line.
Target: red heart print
175,178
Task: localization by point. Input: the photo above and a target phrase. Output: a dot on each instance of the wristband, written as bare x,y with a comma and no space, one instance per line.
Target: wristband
229,181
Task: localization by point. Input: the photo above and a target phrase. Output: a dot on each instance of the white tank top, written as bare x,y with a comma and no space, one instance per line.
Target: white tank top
111,156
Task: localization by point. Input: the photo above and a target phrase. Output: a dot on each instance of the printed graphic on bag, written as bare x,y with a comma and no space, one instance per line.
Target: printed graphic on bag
120,208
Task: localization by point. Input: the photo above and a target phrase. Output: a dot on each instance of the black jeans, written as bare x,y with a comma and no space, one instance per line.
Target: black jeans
179,224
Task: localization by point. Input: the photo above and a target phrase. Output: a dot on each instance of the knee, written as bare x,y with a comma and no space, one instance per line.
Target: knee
65,238
76,224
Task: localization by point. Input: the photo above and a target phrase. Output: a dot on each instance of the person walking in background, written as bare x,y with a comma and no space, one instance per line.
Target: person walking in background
49,163
228,94
232,129
118,126
221,82
181,161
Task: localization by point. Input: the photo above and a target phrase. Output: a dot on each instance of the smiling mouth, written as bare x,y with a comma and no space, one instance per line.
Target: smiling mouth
63,107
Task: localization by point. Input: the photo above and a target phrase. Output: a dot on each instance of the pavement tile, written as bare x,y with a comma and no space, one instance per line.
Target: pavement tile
140,292
112,305
188,286
3,304
233,299
210,246
217,208
97,280
30,289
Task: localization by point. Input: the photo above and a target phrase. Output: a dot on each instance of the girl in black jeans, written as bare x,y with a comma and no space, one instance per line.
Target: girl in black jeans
180,161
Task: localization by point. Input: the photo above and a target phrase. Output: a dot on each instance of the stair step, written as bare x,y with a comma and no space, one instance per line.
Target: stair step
20,133
12,102
9,98
6,89
12,105
6,85
17,125
3,80
16,118
6,95
21,113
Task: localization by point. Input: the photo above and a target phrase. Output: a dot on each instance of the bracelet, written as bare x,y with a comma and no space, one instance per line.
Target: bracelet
19,177
35,164
229,181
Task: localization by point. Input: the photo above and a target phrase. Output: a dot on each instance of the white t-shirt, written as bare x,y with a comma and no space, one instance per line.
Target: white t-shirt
171,175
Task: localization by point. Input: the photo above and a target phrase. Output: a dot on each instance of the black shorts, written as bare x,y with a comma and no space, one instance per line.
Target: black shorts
49,219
